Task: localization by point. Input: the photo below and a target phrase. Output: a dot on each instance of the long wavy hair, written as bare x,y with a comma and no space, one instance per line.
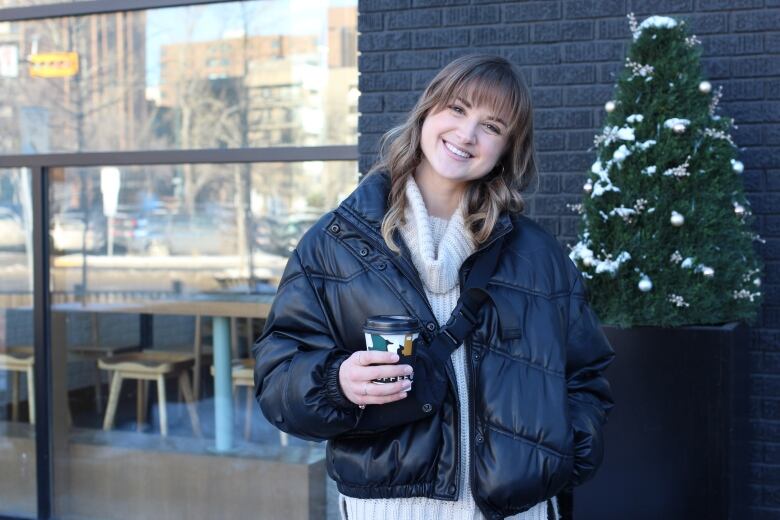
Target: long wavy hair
482,80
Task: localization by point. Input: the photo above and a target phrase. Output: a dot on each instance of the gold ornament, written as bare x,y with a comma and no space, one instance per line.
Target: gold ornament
705,87
609,106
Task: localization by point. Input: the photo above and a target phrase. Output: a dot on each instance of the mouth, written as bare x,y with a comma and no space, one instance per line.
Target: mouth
455,151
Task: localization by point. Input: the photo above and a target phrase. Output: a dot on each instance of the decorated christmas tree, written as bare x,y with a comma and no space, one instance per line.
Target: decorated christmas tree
666,234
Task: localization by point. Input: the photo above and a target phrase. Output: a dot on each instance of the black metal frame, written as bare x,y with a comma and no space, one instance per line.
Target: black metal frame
41,166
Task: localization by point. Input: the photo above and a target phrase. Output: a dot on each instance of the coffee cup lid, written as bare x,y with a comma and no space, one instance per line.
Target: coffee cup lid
394,323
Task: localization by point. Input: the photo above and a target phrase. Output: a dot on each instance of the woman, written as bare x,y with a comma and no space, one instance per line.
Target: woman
521,416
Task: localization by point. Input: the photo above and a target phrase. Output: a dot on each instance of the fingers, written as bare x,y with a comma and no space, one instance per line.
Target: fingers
374,357
362,367
384,371
385,393
386,389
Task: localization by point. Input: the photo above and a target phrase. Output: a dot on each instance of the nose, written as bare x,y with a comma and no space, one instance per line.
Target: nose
467,130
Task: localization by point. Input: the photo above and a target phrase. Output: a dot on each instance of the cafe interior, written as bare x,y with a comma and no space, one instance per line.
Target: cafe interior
147,212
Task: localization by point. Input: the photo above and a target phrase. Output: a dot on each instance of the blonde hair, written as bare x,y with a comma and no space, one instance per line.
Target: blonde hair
482,80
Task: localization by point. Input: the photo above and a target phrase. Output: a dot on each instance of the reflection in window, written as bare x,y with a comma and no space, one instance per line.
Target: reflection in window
185,228
184,77
17,433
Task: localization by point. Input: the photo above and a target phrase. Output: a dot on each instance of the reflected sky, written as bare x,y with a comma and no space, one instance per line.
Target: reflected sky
218,21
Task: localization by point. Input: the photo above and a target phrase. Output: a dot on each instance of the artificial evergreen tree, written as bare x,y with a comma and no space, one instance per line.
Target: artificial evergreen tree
666,238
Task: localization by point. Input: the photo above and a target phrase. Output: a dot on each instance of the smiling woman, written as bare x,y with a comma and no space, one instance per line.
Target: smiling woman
508,401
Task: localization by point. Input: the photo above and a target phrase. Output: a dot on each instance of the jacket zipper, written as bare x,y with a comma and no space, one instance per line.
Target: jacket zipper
414,278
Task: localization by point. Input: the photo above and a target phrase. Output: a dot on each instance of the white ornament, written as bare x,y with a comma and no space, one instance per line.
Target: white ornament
588,186
737,166
645,284
619,155
677,219
708,272
678,128
705,87
739,209
609,106
757,282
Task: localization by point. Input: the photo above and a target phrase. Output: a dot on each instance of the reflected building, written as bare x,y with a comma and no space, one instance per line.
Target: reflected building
269,90
102,105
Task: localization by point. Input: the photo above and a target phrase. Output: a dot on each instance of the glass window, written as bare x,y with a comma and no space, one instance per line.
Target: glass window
162,277
17,433
184,77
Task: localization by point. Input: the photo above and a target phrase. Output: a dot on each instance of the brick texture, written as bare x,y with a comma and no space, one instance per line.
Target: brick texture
570,52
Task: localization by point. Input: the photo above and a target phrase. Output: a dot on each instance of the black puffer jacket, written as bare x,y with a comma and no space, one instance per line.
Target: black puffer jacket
535,365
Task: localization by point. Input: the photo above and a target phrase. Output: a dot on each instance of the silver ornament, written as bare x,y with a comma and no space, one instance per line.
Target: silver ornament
739,210
645,284
677,219
610,106
678,128
757,282
737,166
588,186
708,272
705,87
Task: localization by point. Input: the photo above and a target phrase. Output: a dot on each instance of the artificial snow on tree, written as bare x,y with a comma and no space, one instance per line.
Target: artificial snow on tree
666,233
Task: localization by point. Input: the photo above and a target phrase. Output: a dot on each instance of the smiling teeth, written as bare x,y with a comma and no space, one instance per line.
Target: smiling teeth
456,151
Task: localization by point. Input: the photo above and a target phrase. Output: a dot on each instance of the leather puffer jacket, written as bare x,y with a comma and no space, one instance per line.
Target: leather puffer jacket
535,361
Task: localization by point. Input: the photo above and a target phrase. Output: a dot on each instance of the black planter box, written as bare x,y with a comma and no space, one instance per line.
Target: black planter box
675,443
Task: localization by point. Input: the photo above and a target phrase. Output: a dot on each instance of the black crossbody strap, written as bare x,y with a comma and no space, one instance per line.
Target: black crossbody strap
473,296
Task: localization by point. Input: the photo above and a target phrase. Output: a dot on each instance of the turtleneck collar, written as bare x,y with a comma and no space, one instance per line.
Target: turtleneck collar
438,247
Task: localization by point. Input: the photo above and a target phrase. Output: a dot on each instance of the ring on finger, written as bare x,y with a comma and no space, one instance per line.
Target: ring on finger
360,357
365,388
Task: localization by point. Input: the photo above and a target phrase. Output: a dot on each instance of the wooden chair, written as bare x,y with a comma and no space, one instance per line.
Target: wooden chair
243,372
150,365
16,362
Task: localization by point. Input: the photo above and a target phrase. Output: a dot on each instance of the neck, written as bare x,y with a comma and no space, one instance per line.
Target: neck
441,198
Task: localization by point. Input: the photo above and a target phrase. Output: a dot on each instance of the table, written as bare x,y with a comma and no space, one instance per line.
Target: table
219,306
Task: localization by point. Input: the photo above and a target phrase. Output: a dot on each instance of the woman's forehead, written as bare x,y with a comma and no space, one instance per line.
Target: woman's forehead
495,98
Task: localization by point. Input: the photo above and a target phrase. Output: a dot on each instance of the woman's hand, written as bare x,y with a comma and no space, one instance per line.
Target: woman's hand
358,370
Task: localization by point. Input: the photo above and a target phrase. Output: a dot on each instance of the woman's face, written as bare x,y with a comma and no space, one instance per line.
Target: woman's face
461,142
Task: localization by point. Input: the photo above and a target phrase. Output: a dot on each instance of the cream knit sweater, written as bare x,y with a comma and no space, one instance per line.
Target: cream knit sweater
438,249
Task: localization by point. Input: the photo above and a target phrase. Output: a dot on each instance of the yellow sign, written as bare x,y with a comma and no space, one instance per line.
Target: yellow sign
54,64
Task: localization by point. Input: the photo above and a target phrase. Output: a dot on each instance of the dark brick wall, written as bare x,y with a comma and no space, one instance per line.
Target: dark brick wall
569,52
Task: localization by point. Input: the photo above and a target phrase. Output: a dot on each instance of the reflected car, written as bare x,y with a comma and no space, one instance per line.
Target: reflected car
279,235
12,232
166,234
67,232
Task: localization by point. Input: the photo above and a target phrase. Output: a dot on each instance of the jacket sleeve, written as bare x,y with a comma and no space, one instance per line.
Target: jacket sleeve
589,395
297,363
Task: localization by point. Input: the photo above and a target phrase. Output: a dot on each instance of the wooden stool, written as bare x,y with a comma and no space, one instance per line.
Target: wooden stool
243,373
150,366
16,362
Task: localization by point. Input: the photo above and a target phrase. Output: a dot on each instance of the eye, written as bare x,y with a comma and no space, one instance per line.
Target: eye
457,109
493,129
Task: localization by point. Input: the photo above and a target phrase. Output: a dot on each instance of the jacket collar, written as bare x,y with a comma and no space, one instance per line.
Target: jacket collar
369,204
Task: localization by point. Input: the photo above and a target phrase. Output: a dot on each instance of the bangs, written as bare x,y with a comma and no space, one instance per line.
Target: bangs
491,87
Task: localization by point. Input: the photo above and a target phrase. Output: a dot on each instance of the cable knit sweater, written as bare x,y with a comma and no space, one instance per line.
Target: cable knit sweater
438,249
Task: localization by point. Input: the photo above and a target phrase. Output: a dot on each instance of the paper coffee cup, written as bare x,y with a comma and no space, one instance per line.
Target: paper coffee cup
392,334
